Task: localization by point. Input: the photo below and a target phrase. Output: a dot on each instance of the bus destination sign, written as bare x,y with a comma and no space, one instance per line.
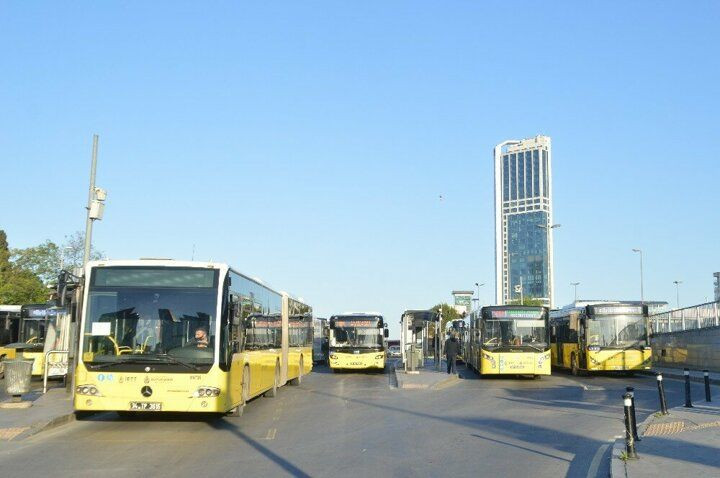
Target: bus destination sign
617,310
516,314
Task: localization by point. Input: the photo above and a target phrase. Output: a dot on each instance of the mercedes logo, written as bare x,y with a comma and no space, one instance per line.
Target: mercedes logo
146,391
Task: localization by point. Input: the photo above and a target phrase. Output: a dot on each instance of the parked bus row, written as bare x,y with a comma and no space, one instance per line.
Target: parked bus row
525,340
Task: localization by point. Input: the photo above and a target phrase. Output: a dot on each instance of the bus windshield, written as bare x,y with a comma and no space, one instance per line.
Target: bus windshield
140,314
514,332
357,337
33,331
616,331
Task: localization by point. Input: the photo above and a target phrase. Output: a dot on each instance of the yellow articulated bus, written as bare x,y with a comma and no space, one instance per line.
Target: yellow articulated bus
601,337
173,336
357,341
509,340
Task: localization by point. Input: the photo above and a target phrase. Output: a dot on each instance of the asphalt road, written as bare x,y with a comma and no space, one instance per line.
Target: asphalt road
356,425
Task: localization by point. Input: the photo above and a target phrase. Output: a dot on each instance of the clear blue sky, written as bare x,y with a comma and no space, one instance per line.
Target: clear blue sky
307,143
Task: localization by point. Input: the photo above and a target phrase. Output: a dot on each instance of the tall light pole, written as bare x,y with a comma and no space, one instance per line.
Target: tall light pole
677,291
96,203
575,284
642,295
551,275
478,291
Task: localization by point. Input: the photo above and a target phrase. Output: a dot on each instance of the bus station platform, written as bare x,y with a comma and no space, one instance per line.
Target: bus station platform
53,409
426,377
686,442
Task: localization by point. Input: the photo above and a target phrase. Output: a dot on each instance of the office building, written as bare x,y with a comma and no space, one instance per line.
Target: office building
523,220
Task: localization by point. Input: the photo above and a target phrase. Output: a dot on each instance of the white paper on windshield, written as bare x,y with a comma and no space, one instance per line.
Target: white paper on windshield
526,323
100,328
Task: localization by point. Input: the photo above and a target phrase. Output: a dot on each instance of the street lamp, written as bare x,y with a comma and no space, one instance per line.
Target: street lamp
478,291
642,296
575,284
96,203
677,291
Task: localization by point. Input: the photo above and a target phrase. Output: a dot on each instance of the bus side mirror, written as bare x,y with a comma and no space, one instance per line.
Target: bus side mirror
332,324
386,334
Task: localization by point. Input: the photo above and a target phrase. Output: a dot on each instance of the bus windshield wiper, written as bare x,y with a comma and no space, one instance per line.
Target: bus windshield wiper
155,359
539,349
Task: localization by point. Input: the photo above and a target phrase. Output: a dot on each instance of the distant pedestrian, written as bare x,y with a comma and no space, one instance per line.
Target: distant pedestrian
452,347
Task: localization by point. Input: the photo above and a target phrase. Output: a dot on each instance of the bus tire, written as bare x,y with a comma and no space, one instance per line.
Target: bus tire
273,391
244,394
574,368
298,380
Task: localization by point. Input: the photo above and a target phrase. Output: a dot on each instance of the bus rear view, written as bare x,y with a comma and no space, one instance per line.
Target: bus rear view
357,341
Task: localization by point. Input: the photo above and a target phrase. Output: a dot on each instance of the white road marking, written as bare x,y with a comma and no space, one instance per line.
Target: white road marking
271,434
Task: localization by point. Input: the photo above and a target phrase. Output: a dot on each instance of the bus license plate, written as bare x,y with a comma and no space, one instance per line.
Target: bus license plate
146,406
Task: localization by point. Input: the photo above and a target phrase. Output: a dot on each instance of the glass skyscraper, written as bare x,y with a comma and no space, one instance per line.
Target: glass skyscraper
523,220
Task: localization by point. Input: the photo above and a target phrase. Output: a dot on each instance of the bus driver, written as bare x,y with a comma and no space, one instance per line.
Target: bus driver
201,337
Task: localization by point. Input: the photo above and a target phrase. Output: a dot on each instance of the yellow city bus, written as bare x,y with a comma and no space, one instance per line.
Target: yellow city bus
357,341
601,337
176,336
509,340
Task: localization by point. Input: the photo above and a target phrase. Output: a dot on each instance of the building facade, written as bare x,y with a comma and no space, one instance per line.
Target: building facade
523,220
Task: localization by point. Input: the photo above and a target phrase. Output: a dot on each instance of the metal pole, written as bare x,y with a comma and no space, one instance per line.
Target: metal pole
642,292
629,438
677,292
91,196
688,399
631,391
661,393
706,376
45,370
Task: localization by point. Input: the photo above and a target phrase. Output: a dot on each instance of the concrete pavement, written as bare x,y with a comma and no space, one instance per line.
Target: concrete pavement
677,373
684,443
47,411
358,424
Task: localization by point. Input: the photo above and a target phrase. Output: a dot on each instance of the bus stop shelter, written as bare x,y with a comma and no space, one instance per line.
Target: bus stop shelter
414,337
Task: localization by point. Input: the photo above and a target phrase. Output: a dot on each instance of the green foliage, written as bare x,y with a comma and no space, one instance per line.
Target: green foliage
21,287
527,301
46,259
448,313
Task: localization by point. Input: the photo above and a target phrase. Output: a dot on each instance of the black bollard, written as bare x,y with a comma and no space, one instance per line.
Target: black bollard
706,375
629,439
631,391
688,400
661,393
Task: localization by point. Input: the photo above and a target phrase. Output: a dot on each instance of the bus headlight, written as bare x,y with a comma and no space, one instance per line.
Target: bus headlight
489,358
207,392
593,348
87,390
378,357
333,357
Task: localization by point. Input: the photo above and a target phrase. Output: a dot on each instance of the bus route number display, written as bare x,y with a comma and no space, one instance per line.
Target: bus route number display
355,323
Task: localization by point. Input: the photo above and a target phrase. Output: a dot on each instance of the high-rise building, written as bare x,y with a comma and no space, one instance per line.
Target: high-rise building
717,286
523,220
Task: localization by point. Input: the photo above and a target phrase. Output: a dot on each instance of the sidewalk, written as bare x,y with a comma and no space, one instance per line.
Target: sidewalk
684,443
695,375
47,411
425,378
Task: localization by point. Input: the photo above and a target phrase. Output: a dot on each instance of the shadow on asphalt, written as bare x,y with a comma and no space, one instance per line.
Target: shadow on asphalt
289,467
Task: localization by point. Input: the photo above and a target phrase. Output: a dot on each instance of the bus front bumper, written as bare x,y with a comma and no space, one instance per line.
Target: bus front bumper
367,360
517,363
619,360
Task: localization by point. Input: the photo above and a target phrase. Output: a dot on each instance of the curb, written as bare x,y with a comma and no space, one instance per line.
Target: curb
46,425
679,376
617,466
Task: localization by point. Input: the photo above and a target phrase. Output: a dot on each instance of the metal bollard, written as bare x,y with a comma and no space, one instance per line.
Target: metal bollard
706,375
631,391
688,400
629,439
661,393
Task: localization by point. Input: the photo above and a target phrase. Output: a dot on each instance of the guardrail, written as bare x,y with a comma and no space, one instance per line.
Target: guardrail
47,360
687,318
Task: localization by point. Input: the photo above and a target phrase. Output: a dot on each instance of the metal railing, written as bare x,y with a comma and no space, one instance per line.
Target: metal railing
47,364
688,318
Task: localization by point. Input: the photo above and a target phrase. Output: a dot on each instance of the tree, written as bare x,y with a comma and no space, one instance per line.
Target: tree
17,286
46,259
448,313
